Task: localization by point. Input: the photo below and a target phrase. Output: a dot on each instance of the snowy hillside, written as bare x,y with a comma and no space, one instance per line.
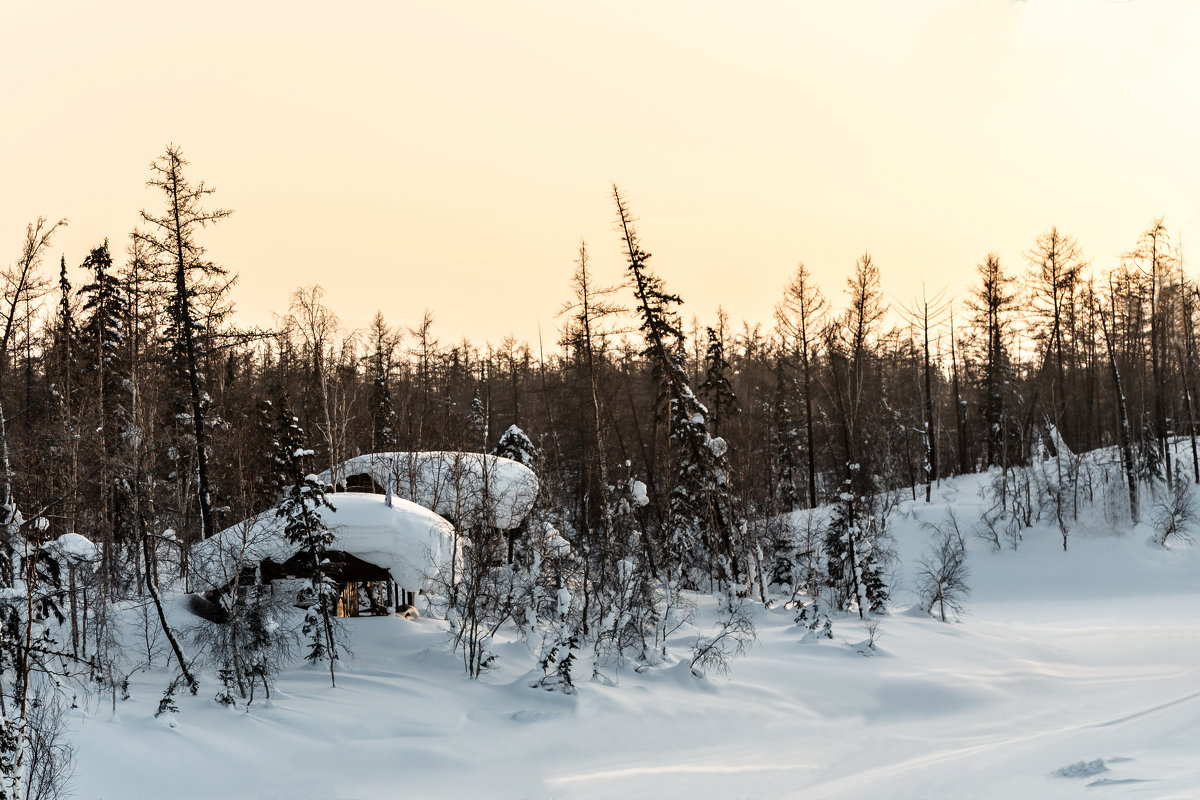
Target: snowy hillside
1072,674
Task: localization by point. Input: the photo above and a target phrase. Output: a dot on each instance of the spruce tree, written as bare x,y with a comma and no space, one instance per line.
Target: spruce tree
514,444
304,526
384,422
271,476
383,416
785,438
716,388
701,523
103,330
102,337
854,560
992,303
477,429
66,335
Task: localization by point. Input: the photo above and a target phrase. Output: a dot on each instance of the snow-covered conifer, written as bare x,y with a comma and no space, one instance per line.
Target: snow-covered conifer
516,445
716,389
785,440
383,416
303,525
701,525
477,429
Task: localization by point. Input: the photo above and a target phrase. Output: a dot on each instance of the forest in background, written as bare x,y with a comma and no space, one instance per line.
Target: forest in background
136,413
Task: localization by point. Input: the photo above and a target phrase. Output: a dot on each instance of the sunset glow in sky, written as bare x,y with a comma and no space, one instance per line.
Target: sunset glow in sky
450,155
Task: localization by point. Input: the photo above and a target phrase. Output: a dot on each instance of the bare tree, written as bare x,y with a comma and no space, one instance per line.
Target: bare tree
926,313
591,312
17,283
1154,257
1131,476
734,633
942,573
318,326
1056,266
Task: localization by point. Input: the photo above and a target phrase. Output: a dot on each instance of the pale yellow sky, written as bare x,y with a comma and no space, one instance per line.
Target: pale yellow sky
449,155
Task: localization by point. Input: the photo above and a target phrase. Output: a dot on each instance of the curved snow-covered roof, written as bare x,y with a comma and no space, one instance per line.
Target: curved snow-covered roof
409,541
459,486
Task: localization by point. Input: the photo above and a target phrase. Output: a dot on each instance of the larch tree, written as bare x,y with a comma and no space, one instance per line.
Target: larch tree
590,313
929,313
1056,267
1154,257
171,238
800,317
1127,459
1186,353
17,284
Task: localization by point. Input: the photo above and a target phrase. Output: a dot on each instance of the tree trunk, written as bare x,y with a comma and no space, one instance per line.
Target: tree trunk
1123,426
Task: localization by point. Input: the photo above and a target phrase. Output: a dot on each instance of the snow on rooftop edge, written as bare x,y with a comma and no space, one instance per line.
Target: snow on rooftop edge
408,540
454,484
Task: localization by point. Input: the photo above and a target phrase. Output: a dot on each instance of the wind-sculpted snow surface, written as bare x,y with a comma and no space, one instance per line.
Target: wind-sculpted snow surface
408,540
1062,662
460,486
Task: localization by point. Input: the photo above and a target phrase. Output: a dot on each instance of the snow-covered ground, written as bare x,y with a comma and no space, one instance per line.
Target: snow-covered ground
1072,674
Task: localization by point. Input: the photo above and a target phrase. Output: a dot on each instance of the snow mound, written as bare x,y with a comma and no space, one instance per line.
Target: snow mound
76,549
409,541
459,486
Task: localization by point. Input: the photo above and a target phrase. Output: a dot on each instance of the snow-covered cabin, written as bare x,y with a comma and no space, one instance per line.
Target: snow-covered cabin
465,488
380,552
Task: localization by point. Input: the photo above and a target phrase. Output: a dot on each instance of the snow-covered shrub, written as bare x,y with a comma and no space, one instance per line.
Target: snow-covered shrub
858,550
625,610
1009,496
226,696
256,637
51,760
942,573
481,593
558,660
34,658
1176,514
734,633
872,626
814,619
